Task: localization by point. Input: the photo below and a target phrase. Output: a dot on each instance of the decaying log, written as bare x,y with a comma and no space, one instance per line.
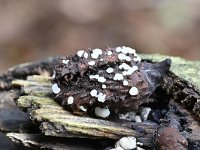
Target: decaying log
55,121
182,86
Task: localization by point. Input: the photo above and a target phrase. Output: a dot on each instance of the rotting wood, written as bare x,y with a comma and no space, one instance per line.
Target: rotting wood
55,121
184,78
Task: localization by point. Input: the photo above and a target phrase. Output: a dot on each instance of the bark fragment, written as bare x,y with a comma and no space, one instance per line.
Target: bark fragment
77,78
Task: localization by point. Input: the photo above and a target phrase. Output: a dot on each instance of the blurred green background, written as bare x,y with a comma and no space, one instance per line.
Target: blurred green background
35,29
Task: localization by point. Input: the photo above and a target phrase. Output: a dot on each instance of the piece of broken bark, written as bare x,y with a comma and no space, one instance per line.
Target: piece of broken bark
113,78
